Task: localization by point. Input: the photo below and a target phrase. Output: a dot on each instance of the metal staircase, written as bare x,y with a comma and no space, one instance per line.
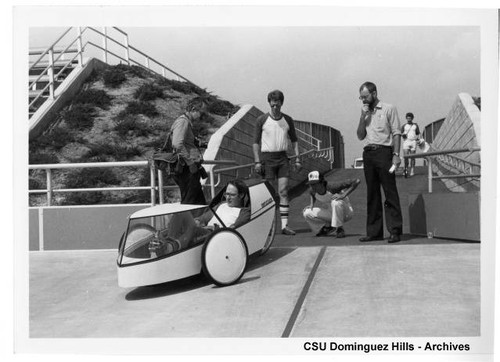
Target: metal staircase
49,67
46,73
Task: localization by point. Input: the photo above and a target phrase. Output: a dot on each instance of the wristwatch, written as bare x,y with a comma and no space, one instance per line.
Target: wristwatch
395,154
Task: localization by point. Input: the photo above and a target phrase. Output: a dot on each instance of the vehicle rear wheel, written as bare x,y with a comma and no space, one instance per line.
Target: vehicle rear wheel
224,257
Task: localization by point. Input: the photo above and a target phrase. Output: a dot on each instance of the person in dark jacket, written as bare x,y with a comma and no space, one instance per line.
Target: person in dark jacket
183,142
330,207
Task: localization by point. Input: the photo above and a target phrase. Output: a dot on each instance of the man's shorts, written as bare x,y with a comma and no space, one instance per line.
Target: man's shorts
410,145
275,164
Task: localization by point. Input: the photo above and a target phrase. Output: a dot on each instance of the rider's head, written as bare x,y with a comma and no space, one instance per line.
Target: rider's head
236,191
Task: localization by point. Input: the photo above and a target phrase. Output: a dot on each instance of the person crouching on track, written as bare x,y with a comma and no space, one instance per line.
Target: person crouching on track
330,207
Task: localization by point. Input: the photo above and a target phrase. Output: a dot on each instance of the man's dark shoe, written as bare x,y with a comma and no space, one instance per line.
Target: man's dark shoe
370,238
324,231
394,238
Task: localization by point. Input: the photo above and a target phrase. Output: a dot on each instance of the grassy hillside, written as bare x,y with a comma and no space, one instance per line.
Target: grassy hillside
122,113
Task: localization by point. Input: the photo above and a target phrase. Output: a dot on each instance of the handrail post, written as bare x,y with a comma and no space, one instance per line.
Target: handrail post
51,73
160,186
79,46
49,187
127,50
153,183
105,44
212,186
429,173
147,62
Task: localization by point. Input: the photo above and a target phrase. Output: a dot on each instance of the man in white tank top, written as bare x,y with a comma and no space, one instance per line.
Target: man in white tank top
330,207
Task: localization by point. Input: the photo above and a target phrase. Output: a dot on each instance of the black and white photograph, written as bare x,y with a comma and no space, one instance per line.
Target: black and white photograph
253,180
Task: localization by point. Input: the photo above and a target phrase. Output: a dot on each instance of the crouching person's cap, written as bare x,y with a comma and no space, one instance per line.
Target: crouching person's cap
314,177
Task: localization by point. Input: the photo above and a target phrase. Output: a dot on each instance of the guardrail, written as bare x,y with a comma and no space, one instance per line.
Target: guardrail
323,153
447,153
50,190
154,174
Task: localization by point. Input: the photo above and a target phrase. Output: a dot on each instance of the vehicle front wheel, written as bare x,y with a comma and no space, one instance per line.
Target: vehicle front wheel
224,257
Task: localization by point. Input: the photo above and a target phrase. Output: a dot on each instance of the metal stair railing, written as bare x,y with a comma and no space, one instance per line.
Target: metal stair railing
49,70
474,171
308,139
323,153
83,46
148,61
460,164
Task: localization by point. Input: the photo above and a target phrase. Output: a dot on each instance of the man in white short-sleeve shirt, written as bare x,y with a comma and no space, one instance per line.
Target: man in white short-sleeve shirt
273,131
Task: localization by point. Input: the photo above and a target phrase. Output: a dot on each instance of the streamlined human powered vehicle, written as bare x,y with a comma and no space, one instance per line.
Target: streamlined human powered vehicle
163,243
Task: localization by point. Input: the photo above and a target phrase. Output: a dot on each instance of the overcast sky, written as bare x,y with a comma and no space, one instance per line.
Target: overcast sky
419,69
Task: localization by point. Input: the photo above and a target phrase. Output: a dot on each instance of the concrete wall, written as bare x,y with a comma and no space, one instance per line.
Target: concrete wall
445,215
460,129
78,227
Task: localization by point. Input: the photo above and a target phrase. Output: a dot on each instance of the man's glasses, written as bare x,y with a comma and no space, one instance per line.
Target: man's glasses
364,96
227,194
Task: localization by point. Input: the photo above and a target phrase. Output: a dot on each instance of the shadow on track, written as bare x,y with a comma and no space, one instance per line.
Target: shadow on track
200,281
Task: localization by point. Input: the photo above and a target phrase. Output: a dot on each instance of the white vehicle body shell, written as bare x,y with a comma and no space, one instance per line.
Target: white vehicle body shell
134,272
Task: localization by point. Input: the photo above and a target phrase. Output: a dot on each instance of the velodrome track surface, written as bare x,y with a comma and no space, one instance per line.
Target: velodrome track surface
304,286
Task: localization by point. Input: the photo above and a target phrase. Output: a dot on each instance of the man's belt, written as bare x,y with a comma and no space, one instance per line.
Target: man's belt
373,147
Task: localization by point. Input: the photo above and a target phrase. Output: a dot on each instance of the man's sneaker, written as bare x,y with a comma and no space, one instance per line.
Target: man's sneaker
322,231
325,230
340,232
405,172
287,231
332,231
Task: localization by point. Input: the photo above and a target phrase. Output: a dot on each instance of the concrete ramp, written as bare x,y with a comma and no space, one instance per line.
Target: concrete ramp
305,286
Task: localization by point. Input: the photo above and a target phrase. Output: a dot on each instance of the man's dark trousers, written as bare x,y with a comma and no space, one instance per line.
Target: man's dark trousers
190,187
376,162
